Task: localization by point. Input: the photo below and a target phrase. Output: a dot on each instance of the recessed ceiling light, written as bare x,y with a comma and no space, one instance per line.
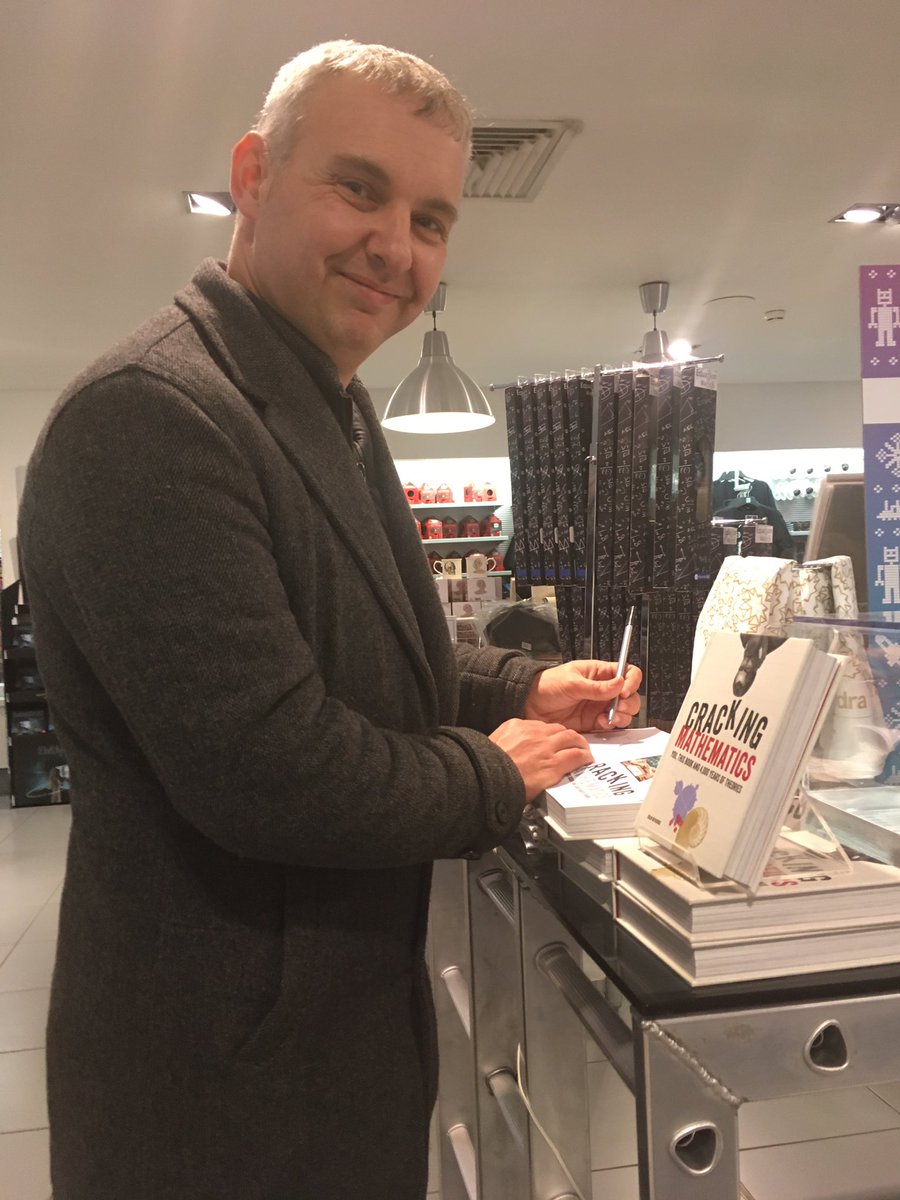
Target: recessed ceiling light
209,204
868,214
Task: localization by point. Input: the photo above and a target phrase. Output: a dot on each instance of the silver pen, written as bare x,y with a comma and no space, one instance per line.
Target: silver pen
623,658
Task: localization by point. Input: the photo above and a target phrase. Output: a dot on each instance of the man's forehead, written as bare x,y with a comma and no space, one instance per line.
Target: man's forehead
328,99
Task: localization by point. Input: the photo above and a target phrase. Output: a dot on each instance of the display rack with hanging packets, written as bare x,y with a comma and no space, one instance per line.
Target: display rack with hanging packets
611,486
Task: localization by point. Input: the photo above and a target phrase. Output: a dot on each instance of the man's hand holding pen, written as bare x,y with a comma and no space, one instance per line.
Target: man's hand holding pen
580,695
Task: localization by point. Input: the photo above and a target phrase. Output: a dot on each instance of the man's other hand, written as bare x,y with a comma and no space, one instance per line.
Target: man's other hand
542,751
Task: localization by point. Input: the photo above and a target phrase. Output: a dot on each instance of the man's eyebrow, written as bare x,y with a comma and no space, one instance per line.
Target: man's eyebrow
355,163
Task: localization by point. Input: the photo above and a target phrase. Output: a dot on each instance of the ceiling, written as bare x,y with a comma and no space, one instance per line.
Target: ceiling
718,139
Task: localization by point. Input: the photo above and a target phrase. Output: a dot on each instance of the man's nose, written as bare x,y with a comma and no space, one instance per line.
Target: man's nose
390,238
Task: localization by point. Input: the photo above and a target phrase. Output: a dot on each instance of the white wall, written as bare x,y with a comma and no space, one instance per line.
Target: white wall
22,416
775,416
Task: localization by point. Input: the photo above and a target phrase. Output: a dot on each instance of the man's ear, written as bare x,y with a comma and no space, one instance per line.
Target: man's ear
249,169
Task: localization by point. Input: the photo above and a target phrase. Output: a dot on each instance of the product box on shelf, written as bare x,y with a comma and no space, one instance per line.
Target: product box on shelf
640,535
513,398
545,476
696,438
562,479
38,769
685,481
622,516
662,383
578,448
606,435
482,588
532,487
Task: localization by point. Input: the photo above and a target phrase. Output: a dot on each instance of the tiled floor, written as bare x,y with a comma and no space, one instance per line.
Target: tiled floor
833,1146
32,857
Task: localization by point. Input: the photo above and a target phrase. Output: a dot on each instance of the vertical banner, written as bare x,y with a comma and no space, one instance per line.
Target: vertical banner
879,311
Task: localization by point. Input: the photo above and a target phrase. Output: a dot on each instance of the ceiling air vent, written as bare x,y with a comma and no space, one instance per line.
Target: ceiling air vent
511,159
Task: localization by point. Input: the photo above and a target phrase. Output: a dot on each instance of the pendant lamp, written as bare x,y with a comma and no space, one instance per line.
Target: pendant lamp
654,298
437,397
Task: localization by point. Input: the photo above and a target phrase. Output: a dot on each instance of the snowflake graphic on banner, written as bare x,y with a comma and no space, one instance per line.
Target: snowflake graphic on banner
889,454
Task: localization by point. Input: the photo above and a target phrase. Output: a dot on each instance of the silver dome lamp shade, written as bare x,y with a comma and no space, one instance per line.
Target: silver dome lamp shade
437,397
654,298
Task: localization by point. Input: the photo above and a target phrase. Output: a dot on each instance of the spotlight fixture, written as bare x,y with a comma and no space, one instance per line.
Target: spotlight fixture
869,214
680,350
209,204
436,396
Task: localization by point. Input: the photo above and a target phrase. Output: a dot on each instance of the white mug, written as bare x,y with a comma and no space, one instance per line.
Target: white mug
450,568
479,564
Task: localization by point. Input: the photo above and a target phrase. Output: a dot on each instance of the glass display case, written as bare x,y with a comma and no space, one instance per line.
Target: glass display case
854,774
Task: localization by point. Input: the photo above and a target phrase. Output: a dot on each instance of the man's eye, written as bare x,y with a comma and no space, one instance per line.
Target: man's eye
432,226
355,187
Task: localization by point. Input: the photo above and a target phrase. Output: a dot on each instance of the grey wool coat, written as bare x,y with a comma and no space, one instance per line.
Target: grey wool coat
251,676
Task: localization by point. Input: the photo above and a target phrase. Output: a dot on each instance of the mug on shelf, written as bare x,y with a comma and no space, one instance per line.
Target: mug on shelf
450,568
480,564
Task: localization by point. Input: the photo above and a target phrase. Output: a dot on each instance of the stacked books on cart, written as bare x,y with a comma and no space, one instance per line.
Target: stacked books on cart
723,881
811,912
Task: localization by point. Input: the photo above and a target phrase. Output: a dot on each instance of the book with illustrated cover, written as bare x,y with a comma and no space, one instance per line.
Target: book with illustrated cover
800,890
601,800
736,752
785,952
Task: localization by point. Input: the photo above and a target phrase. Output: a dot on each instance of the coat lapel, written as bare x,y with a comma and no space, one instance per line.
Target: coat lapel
296,414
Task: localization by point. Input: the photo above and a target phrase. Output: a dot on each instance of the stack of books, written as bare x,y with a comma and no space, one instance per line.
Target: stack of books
807,915
602,800
721,887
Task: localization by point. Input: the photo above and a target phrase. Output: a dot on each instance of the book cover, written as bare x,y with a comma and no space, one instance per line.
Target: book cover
601,799
737,748
783,953
800,889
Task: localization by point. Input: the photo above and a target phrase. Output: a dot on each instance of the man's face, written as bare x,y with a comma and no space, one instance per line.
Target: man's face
348,238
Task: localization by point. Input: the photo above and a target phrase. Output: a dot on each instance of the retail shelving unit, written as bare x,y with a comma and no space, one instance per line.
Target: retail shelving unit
38,773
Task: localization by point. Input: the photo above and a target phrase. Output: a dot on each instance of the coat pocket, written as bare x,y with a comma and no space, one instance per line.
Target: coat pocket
220,992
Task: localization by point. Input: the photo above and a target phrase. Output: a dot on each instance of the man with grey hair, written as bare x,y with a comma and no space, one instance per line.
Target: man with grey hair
270,736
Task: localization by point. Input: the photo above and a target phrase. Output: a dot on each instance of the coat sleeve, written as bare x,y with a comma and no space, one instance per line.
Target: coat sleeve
148,557
493,685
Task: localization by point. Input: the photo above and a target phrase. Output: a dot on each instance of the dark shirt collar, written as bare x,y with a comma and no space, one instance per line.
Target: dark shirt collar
319,365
